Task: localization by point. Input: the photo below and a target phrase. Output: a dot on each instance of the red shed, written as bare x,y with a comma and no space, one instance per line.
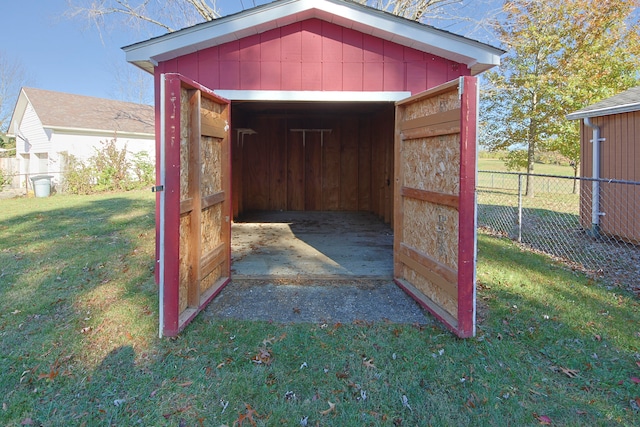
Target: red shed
319,90
609,141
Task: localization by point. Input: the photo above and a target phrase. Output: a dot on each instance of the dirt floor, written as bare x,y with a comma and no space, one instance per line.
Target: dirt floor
313,267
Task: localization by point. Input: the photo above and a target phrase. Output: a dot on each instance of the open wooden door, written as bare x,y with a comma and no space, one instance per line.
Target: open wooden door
435,201
195,202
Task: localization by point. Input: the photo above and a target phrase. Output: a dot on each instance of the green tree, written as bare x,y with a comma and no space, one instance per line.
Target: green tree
562,56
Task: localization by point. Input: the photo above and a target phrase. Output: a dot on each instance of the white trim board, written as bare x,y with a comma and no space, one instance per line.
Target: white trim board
313,96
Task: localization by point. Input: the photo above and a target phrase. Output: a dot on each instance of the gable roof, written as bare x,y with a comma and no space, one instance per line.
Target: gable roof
625,102
66,111
477,56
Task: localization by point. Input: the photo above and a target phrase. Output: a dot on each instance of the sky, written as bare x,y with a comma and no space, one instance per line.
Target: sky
67,55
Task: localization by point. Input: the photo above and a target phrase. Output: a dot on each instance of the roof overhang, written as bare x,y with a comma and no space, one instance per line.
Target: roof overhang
619,109
18,113
69,130
477,56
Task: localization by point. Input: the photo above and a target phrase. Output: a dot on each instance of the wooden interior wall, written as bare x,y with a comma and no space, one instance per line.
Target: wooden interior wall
342,162
620,160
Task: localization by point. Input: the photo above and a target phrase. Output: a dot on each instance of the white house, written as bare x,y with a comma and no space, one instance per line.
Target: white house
51,126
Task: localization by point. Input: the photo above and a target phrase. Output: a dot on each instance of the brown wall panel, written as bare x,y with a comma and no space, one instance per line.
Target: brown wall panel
331,180
312,172
348,168
620,159
277,165
295,172
349,165
364,165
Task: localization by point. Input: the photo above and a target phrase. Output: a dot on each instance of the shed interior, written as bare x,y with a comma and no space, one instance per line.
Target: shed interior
301,171
313,156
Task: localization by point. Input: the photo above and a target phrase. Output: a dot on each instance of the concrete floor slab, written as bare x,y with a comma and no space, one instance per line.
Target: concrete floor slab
311,244
313,267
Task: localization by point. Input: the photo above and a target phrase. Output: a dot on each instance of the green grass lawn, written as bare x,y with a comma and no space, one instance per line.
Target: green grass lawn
498,165
79,346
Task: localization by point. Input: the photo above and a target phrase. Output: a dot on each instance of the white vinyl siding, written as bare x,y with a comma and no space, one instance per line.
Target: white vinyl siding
31,129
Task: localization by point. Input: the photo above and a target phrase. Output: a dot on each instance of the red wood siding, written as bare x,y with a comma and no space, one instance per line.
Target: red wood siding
315,55
620,160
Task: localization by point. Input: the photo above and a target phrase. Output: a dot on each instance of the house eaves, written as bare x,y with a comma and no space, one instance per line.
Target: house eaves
477,56
59,110
625,102
111,133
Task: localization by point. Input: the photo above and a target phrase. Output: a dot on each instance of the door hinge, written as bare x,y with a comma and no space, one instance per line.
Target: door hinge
157,188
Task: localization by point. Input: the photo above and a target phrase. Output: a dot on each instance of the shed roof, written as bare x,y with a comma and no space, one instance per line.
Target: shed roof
477,56
59,110
625,102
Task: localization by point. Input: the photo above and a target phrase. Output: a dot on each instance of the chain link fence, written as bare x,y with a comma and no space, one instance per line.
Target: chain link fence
559,216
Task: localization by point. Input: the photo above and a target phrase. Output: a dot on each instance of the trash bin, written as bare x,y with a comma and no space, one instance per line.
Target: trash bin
42,185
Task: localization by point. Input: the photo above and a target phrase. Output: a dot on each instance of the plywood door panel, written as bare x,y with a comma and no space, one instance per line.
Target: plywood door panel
195,206
434,202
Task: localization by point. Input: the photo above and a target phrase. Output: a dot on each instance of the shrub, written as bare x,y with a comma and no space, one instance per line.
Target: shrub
78,177
112,167
108,170
144,169
5,178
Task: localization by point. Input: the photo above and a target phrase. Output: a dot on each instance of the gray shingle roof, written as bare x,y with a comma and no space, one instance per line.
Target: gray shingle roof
65,110
624,102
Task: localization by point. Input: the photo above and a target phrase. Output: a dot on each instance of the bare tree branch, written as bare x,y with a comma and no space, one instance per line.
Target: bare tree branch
167,15
12,78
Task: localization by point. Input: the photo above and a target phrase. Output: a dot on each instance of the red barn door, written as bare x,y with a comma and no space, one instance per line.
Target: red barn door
195,200
435,205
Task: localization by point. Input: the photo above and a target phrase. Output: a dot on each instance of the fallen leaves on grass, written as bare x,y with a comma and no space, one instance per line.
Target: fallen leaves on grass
571,373
176,411
227,361
54,371
368,363
332,408
544,420
263,357
247,416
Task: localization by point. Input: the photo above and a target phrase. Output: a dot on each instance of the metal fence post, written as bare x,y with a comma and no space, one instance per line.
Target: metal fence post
519,208
559,220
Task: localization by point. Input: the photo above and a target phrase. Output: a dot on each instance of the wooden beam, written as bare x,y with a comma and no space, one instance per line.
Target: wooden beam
194,242
212,259
449,321
186,206
450,200
436,119
439,274
213,125
212,199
